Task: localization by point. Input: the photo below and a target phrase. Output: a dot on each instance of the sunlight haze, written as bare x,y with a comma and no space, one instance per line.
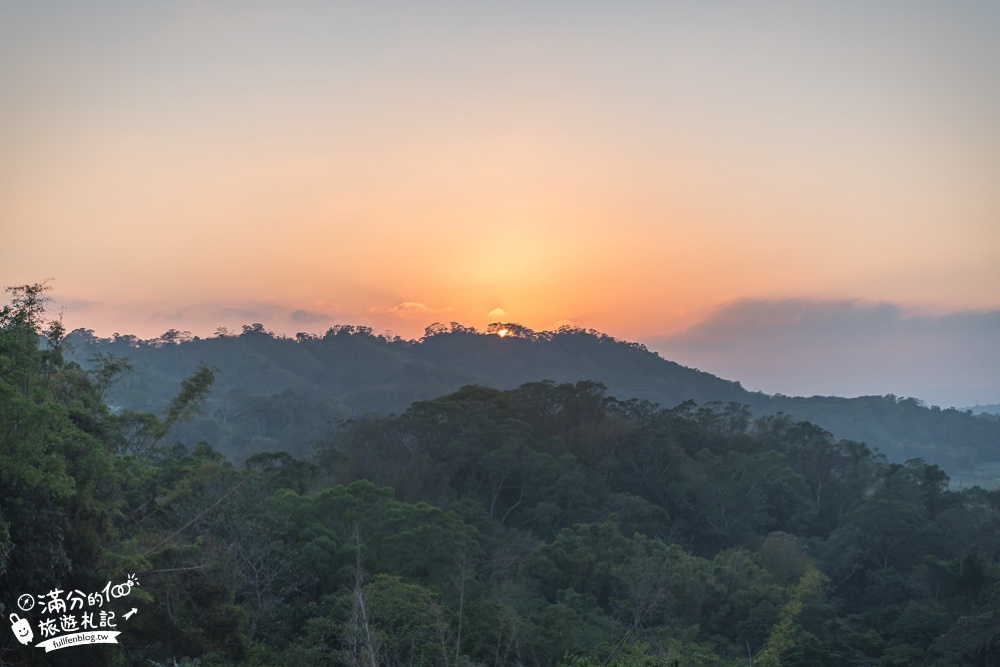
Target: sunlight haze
635,168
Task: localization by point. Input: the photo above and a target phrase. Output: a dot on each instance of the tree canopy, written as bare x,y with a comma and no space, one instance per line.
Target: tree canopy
549,524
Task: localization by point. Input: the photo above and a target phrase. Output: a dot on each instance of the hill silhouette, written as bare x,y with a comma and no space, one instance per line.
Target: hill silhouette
279,393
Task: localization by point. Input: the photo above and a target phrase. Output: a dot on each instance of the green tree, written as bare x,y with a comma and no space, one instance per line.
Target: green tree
783,634
410,621
62,493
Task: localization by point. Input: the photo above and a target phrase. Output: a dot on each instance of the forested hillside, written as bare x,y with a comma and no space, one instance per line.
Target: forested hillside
543,525
274,392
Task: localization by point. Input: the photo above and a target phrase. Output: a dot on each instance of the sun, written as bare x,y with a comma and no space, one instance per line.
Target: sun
502,333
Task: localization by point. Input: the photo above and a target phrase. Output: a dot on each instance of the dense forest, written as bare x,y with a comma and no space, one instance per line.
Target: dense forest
274,392
547,524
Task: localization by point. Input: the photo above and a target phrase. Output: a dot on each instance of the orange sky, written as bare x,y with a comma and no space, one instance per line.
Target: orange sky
628,168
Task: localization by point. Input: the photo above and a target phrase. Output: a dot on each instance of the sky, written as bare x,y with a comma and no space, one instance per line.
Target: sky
800,197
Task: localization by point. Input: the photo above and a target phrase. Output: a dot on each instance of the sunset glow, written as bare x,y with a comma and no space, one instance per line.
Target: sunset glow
630,168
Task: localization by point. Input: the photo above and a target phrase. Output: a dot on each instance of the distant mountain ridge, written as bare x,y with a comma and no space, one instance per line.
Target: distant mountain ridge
276,392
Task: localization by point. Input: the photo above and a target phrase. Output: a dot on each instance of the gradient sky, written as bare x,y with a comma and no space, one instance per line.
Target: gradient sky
639,168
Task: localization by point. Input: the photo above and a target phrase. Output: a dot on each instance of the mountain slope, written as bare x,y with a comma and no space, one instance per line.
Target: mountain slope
282,393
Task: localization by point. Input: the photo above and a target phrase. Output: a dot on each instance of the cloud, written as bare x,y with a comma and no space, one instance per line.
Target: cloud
847,348
410,309
150,319
309,316
249,313
71,304
496,312
153,312
791,318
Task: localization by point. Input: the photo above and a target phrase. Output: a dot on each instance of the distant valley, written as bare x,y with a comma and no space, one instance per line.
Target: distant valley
276,393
